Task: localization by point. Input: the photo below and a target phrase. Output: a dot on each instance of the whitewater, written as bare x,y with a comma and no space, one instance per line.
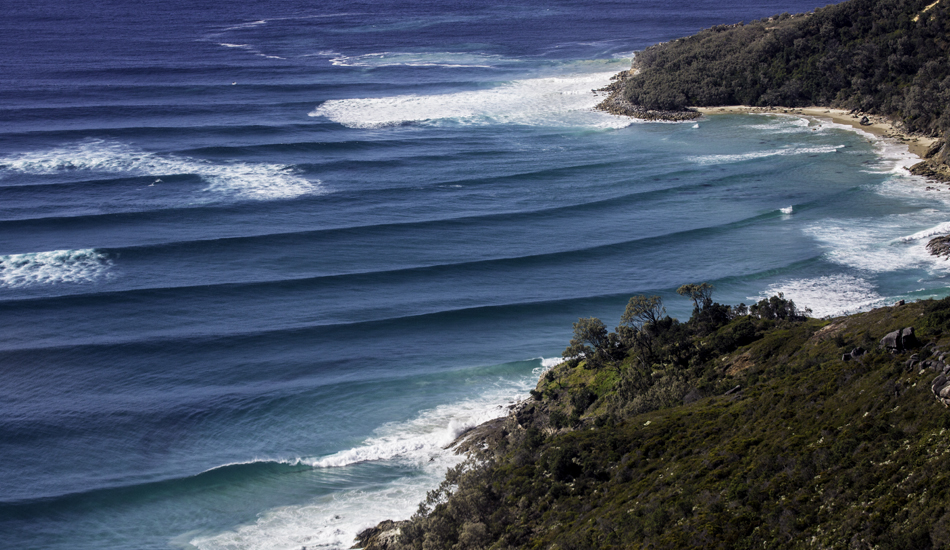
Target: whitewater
261,264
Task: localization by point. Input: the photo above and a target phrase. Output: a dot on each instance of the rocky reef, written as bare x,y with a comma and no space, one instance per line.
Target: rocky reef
617,104
935,166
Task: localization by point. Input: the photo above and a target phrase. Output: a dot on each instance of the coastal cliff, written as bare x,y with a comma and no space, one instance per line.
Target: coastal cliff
887,58
742,427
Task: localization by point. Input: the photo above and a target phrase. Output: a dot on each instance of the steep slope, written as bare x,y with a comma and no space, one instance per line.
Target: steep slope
788,441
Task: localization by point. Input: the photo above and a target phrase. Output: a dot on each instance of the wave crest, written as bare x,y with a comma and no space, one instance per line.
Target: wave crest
554,101
259,181
57,266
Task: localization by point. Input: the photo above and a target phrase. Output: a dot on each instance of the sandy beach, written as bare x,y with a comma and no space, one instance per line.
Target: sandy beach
878,126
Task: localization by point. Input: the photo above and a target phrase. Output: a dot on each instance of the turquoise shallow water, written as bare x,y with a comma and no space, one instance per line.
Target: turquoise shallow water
259,263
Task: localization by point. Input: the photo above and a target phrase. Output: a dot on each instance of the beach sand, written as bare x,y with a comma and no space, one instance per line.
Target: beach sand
879,125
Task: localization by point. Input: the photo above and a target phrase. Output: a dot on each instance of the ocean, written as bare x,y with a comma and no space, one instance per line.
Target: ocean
261,261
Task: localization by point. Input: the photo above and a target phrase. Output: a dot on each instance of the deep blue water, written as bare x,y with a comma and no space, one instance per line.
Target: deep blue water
260,261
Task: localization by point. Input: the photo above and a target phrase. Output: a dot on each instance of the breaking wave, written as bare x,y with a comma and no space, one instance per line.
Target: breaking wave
57,266
419,444
554,101
827,296
261,181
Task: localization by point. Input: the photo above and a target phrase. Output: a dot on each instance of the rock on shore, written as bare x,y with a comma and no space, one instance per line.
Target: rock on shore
936,164
940,246
617,104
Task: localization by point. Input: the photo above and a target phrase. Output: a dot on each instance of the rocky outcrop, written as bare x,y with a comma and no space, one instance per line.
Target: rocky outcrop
900,340
941,384
616,104
936,163
940,246
384,536
856,353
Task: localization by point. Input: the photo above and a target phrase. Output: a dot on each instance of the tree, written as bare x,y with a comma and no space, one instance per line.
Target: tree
777,308
700,294
642,311
590,340
642,315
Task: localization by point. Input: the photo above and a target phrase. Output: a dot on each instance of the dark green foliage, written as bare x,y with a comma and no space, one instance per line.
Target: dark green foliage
775,308
812,451
867,55
936,316
582,398
728,338
700,294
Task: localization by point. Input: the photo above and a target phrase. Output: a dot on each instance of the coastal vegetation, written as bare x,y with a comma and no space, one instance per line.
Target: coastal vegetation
881,57
742,427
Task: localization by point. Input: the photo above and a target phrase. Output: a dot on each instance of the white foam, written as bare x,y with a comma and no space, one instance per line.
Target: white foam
334,520
57,266
419,59
426,435
328,523
550,362
876,245
554,101
248,25
786,151
244,179
935,231
827,296
785,124
787,210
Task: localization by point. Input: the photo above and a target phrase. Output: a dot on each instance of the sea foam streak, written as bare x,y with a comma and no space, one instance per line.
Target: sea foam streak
555,101
788,151
57,266
334,520
422,59
247,180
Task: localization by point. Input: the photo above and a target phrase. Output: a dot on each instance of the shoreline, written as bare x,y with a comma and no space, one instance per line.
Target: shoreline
877,125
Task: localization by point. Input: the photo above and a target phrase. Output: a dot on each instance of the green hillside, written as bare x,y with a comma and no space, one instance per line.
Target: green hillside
883,57
741,428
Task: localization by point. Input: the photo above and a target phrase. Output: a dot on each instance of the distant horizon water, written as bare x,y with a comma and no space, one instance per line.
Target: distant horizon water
261,263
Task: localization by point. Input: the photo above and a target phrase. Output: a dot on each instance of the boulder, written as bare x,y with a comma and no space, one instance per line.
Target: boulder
865,121
384,536
858,352
934,148
938,383
892,341
941,389
846,357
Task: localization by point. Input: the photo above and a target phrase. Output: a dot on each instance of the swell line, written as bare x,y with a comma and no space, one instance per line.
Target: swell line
443,317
